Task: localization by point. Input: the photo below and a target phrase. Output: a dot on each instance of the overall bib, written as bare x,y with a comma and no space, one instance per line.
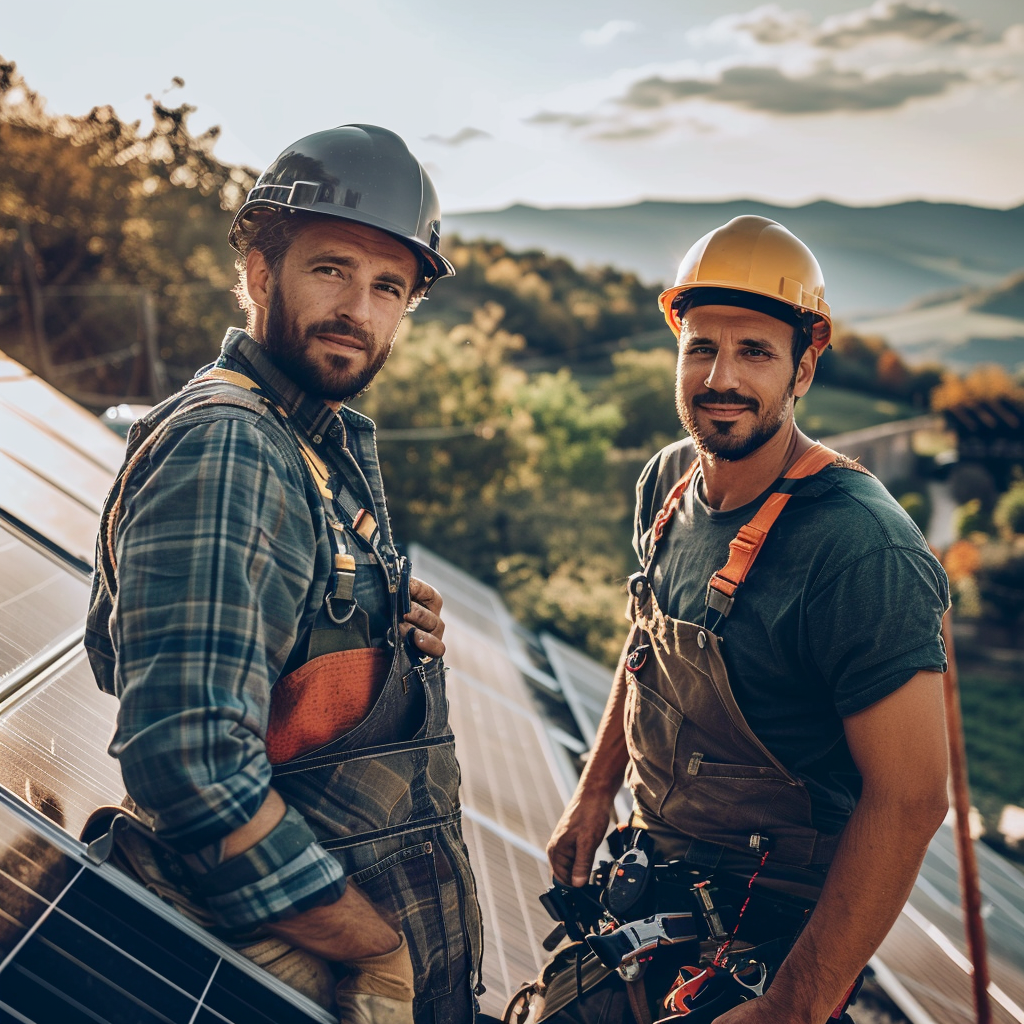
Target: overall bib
360,746
696,767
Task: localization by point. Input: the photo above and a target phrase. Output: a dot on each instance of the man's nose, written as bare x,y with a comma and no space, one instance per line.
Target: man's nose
354,302
723,376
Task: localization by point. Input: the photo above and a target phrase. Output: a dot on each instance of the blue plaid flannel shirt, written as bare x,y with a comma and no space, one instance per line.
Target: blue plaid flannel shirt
223,561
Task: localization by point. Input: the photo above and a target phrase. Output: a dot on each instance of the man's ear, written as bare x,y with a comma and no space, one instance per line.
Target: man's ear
257,278
805,371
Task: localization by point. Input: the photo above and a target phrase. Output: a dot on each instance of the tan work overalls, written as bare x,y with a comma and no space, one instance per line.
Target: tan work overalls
696,767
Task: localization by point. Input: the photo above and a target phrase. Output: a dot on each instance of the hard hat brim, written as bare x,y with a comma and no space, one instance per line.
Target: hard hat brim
667,301
442,267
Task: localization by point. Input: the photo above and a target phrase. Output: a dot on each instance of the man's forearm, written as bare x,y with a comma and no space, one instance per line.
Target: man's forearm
346,929
603,772
867,885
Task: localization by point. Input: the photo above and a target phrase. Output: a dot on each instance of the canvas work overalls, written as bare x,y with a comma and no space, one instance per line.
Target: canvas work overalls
695,764
360,746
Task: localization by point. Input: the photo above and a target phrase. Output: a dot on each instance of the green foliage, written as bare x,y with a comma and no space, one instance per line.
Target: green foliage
1009,511
92,203
504,474
868,365
971,518
827,410
556,307
970,481
993,709
643,387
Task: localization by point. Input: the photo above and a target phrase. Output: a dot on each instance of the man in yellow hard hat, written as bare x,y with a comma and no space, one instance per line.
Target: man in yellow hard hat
777,710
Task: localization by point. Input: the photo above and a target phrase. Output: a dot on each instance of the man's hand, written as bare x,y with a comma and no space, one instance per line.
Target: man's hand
424,618
579,832
348,929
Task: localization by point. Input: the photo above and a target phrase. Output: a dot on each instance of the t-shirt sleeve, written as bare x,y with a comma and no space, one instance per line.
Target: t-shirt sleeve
877,624
646,490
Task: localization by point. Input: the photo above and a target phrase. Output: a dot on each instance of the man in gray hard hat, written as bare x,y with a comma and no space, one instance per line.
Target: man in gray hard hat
283,730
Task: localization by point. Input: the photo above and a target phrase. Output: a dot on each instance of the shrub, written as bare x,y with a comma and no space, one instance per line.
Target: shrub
971,518
1009,510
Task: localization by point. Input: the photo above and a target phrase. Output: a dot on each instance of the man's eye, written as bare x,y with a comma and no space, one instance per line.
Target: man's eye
390,289
327,271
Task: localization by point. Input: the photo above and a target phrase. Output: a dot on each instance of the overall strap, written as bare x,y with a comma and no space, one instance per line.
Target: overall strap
340,601
746,545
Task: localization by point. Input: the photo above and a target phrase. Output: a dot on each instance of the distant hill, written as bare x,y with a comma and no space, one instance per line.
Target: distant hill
959,328
875,259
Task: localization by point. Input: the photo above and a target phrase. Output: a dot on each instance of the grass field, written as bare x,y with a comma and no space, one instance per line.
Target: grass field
993,709
827,410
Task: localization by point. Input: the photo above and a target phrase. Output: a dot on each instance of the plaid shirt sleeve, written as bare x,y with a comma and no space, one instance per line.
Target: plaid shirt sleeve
215,557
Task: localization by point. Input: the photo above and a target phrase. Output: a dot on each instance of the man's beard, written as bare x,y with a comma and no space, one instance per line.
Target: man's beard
722,440
330,377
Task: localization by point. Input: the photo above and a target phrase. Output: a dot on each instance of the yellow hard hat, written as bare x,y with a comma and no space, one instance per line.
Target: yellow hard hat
759,257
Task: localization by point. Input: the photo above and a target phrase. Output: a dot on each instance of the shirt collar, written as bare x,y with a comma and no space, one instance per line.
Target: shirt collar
240,352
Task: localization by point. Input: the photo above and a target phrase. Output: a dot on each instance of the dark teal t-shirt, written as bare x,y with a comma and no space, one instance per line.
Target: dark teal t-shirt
842,607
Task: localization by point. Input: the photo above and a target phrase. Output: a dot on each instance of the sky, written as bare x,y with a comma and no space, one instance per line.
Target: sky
573,104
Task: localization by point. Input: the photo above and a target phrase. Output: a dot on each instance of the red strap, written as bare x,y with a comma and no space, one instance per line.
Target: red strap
746,545
668,509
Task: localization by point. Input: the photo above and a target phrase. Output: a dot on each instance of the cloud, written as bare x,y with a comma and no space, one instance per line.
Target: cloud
545,117
919,23
767,89
461,137
631,132
607,33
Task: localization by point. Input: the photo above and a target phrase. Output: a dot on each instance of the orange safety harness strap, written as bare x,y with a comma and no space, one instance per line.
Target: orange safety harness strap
746,545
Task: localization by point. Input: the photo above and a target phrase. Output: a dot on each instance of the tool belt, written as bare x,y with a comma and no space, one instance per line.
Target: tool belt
669,934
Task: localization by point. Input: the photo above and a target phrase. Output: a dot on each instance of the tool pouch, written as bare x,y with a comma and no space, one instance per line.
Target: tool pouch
323,700
118,836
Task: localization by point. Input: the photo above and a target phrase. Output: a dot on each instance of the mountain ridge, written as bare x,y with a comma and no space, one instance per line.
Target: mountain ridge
875,258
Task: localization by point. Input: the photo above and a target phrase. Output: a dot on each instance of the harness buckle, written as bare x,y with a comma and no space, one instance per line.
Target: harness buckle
719,602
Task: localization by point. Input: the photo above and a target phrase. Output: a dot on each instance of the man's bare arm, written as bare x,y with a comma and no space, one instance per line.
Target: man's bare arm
584,822
899,746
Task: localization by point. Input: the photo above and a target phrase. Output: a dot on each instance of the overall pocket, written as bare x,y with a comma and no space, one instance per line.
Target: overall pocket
729,803
405,878
652,726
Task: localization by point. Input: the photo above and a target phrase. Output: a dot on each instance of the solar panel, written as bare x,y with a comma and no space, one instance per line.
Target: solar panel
76,946
41,604
586,683
53,740
30,499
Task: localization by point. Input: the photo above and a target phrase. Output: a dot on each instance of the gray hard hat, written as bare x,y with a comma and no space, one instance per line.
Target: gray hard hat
356,172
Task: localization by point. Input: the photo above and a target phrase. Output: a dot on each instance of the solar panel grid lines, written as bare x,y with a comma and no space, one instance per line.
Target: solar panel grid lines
507,773
51,413
30,499
40,602
88,944
53,460
515,922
